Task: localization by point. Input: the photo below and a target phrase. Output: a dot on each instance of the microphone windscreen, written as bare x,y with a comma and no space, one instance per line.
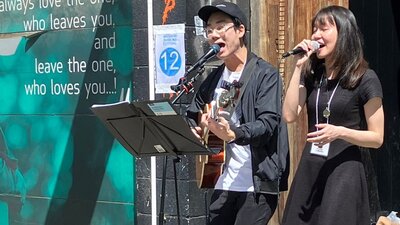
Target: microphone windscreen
315,45
216,48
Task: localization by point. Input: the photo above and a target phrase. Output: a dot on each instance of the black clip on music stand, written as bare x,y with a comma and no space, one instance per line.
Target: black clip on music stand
153,128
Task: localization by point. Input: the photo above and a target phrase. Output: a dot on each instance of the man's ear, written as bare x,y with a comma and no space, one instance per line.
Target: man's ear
242,30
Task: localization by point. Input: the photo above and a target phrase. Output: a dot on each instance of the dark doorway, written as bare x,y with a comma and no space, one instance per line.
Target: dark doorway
380,25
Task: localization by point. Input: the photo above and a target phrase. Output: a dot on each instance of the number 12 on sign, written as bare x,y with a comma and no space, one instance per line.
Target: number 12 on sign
170,61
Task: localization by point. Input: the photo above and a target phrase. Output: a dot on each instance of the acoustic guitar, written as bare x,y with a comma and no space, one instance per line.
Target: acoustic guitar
210,167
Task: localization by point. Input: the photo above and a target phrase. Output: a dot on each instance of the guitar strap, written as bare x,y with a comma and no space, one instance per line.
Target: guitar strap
244,78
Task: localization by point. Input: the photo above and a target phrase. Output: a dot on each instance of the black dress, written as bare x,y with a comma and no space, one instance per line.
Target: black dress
333,190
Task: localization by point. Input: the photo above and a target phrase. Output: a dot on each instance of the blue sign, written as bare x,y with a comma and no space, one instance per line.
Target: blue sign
170,61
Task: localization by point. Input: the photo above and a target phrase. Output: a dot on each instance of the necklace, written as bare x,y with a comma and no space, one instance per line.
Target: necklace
327,112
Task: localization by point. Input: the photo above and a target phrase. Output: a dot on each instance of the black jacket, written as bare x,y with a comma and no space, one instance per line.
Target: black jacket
261,110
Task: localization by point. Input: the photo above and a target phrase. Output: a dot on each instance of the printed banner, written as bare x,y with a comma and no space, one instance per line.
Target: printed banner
58,163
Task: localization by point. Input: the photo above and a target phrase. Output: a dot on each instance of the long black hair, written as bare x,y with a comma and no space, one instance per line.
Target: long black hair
348,56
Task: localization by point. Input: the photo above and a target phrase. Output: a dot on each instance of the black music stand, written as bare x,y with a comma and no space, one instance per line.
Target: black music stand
151,128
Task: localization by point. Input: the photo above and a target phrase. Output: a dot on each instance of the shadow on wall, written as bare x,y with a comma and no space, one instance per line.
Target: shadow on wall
91,145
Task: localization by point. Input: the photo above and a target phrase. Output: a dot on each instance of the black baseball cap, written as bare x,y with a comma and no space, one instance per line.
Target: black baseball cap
226,7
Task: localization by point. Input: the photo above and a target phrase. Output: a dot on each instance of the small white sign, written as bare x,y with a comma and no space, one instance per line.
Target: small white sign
159,148
199,25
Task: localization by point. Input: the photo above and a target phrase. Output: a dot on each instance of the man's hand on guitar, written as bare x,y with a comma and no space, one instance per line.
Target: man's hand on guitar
220,128
197,131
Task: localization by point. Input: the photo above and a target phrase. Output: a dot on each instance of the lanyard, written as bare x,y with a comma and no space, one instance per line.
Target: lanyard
327,111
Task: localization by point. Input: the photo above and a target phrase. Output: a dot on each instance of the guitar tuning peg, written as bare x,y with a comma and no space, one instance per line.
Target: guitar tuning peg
237,84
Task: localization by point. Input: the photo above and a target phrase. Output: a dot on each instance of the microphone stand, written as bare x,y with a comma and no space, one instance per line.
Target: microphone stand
184,87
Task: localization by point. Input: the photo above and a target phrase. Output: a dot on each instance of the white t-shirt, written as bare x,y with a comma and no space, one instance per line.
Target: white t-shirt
237,174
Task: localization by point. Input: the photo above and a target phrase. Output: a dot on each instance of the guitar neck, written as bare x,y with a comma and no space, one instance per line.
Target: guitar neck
213,110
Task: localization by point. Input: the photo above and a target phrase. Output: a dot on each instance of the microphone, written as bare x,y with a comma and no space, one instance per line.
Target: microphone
299,50
214,49
186,85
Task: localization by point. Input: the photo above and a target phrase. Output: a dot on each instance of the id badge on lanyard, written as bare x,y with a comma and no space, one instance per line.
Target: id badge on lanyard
315,148
320,150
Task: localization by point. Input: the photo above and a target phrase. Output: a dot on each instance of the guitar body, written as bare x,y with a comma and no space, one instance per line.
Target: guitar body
210,167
